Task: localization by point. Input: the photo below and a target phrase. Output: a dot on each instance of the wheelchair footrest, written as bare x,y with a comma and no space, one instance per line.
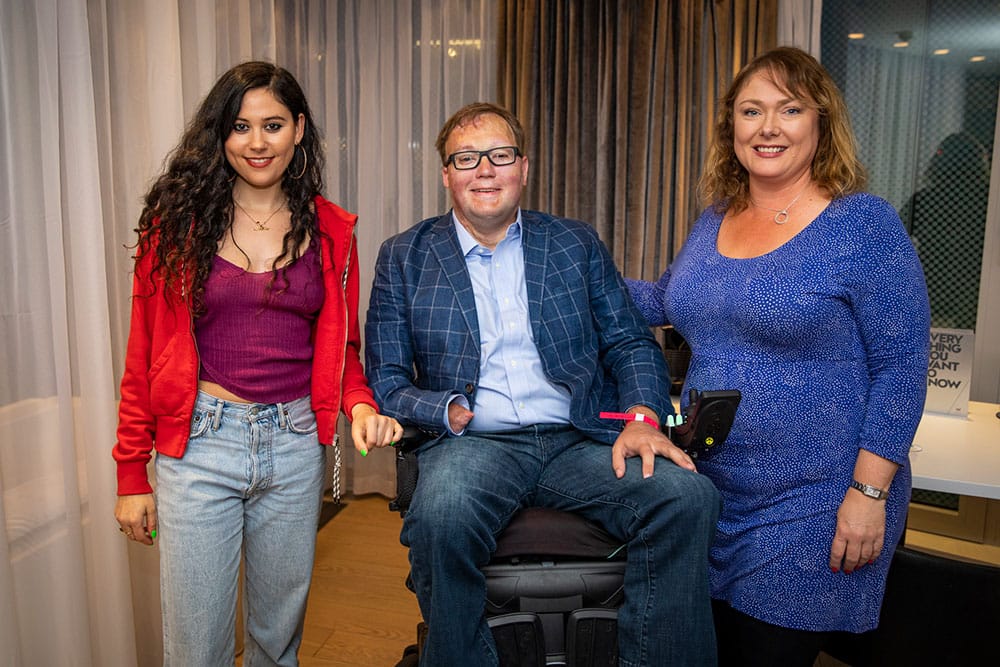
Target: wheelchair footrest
592,638
519,638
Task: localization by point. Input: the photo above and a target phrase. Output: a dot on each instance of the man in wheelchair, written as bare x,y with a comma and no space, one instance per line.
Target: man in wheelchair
504,333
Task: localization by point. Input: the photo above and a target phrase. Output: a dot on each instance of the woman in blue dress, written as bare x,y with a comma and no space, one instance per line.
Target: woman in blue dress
805,293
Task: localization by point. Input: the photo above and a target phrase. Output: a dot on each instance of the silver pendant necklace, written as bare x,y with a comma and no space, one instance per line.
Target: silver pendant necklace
780,214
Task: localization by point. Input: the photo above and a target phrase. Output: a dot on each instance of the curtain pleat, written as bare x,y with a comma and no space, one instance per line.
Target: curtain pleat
618,99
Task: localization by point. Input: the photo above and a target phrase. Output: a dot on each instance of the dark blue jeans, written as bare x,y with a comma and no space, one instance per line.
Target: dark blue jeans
470,486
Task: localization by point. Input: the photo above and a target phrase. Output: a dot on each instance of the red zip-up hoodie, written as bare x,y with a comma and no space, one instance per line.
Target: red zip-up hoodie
160,383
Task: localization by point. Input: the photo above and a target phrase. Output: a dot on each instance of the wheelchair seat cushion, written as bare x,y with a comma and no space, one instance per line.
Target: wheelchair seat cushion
540,531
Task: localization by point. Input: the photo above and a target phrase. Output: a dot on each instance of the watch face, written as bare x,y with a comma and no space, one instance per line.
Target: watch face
870,491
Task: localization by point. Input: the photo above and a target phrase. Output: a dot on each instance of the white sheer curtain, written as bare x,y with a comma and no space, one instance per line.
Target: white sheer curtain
63,574
93,94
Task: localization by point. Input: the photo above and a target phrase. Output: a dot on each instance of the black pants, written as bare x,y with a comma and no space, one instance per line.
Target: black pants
744,641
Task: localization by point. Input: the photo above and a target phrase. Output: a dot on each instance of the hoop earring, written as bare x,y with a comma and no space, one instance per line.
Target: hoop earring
305,163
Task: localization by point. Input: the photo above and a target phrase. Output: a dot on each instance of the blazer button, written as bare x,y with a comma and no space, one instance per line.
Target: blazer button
469,388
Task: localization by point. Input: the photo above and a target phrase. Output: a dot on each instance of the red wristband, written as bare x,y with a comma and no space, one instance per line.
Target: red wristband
631,417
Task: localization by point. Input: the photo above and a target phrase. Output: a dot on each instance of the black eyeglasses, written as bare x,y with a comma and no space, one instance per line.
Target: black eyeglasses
498,157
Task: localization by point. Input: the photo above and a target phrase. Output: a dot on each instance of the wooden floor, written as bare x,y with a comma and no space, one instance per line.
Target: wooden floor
360,612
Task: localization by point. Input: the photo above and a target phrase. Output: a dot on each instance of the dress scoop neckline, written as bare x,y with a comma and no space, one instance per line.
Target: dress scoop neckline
812,223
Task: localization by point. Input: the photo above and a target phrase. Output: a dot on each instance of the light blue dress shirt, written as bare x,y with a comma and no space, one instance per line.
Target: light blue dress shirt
513,390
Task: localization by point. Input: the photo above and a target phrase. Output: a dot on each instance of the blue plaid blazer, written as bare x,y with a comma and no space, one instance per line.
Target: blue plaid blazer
422,333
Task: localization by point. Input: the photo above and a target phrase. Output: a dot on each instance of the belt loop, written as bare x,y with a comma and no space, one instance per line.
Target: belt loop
282,416
217,417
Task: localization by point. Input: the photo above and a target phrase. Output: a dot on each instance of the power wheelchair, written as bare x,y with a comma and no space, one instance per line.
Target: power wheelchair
556,580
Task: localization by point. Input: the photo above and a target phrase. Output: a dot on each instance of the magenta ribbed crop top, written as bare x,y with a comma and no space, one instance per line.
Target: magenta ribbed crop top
256,341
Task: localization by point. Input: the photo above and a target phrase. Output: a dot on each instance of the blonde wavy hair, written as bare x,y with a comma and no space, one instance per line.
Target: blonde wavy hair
725,182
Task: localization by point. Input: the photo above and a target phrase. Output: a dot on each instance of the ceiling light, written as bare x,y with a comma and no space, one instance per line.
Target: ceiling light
941,52
855,35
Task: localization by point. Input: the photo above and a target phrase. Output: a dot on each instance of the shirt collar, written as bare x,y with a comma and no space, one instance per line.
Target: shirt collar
468,243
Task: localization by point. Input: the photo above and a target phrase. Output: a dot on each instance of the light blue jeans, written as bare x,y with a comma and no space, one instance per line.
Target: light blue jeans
471,485
249,483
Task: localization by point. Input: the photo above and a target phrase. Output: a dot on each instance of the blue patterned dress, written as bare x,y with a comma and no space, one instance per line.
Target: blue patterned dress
827,338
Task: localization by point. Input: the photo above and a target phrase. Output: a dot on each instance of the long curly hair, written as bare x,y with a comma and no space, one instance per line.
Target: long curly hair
725,182
190,206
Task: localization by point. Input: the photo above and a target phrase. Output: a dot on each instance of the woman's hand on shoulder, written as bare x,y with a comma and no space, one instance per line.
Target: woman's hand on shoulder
370,429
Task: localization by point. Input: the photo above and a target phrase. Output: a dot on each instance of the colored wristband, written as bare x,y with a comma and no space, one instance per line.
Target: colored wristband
631,417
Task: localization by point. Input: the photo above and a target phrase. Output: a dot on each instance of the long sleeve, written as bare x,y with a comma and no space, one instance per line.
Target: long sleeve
648,298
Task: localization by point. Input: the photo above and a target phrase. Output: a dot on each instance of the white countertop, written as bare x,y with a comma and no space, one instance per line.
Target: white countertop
959,454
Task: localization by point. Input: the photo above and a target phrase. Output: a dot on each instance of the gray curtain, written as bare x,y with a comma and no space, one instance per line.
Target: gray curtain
617,98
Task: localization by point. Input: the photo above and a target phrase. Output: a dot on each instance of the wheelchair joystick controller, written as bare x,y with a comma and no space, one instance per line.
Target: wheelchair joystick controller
707,421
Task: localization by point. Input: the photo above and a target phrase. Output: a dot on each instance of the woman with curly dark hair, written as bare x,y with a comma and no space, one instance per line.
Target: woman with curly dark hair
243,348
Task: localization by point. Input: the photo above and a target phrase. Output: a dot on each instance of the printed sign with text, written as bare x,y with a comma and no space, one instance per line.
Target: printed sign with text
950,371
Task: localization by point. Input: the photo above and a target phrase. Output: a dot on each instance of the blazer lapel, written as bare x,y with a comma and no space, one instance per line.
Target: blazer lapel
444,244
535,245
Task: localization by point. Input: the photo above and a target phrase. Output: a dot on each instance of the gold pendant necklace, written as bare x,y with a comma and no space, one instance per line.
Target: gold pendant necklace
261,224
780,214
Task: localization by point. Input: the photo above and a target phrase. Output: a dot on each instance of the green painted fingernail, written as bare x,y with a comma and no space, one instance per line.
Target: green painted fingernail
152,533
364,452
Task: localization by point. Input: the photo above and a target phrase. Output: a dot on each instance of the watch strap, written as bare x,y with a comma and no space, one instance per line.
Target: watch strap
869,490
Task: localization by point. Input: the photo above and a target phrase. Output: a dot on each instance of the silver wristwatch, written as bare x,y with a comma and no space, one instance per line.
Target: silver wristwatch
869,490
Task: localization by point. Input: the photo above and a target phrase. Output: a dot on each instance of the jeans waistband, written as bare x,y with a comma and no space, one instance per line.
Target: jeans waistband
246,411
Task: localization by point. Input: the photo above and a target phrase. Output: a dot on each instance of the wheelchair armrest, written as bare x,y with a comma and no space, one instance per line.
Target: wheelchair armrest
413,437
407,469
